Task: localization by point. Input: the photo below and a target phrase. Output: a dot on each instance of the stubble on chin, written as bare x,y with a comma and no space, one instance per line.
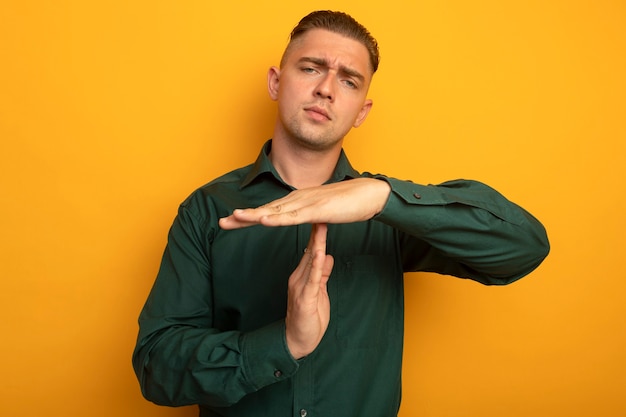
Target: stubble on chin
312,136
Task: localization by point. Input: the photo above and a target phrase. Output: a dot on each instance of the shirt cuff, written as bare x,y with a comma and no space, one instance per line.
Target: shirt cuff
405,194
266,356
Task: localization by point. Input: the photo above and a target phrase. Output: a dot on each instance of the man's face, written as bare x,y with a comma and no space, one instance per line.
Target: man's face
321,89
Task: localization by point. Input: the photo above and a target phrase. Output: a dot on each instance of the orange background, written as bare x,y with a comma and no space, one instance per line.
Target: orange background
111,113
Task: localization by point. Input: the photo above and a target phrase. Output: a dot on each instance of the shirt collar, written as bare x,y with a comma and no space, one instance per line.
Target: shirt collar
262,165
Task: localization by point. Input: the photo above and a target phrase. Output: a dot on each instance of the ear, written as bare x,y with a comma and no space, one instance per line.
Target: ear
360,118
273,76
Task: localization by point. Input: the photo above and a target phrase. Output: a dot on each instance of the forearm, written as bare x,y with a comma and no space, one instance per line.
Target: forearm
184,355
184,365
470,230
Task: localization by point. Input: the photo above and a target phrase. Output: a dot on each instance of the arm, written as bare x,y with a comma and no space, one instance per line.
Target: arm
470,230
181,358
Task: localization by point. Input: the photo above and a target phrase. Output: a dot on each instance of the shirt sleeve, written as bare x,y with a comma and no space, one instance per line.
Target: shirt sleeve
180,358
465,229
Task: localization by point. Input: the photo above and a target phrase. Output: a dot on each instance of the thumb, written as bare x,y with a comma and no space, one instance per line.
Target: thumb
327,268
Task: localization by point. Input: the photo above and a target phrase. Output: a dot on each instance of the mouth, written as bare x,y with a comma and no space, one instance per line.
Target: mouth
317,113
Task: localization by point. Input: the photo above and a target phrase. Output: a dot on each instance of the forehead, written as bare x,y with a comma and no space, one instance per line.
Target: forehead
333,47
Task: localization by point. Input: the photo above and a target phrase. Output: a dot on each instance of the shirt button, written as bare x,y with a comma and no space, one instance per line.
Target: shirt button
278,373
303,413
416,195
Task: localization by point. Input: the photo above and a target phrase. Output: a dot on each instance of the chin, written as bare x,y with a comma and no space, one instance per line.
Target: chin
319,144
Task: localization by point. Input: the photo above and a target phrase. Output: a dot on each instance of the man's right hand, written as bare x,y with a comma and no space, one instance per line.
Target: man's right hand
308,307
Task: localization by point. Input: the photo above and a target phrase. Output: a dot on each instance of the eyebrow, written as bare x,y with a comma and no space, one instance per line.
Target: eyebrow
342,68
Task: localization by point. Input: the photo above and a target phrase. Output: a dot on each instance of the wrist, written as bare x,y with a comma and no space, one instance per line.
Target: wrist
294,348
383,191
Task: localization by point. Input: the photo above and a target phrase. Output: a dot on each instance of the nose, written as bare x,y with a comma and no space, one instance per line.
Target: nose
325,88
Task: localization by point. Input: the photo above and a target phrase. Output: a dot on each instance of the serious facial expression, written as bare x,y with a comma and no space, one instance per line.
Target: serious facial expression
321,89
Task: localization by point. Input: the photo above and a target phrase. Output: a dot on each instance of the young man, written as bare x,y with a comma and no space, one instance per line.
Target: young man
247,318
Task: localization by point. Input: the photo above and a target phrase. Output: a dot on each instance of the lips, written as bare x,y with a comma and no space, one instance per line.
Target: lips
317,112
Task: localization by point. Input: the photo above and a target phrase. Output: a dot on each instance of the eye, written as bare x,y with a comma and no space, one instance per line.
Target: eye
350,84
309,70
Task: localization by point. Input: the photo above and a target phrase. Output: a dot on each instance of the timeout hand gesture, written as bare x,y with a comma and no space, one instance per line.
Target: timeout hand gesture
343,202
308,304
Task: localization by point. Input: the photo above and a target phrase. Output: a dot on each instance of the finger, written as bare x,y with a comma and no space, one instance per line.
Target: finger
317,239
317,243
293,209
320,265
252,216
293,214
311,287
301,273
231,222
246,217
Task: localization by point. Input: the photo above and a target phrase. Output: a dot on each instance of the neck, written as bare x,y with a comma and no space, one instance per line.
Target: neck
301,167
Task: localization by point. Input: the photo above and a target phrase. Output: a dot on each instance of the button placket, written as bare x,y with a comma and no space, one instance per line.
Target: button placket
303,388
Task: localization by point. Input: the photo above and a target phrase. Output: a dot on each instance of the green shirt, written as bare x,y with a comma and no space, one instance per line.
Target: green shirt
212,331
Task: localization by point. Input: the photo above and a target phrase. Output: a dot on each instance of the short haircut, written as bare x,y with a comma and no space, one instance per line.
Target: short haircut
337,22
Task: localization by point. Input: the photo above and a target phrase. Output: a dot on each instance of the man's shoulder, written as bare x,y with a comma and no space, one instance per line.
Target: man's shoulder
233,178
220,188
